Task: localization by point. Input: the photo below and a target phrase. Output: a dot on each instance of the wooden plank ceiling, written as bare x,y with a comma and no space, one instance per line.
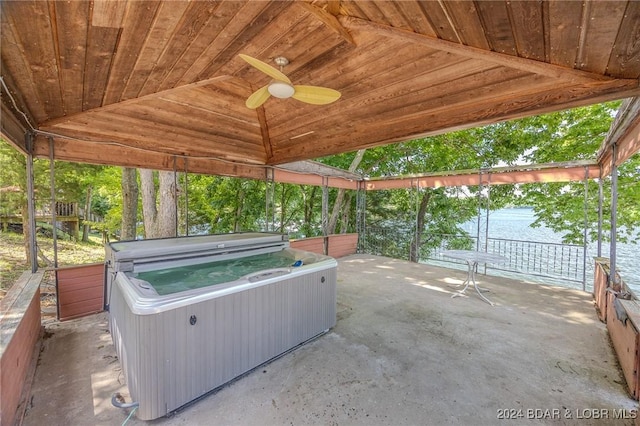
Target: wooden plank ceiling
159,84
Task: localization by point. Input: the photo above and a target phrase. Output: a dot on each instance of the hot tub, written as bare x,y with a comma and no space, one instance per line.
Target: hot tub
183,324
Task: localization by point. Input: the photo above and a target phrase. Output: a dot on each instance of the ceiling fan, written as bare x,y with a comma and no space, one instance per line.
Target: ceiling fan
281,87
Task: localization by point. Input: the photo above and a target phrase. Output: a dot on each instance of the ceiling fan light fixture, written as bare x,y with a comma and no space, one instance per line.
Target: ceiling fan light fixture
281,89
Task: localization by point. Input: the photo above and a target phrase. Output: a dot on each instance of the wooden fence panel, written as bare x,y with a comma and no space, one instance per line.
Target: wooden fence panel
80,290
339,244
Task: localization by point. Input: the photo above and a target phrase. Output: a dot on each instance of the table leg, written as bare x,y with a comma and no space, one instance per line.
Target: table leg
466,282
471,278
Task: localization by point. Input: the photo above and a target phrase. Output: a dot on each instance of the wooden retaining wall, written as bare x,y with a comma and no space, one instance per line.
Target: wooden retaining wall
80,290
20,343
339,245
618,307
625,340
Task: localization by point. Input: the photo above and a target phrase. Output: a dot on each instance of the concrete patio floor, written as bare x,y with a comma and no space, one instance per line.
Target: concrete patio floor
402,353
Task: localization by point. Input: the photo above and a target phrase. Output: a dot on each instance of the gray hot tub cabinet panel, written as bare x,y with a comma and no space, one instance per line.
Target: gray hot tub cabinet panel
168,361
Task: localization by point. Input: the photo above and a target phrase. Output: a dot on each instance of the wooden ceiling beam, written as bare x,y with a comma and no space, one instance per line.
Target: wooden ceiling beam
329,20
82,151
624,133
559,172
524,64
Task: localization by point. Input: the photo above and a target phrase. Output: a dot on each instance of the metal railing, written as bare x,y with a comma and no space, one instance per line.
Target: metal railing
561,262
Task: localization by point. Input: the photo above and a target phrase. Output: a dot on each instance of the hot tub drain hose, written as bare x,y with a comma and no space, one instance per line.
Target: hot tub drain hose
117,400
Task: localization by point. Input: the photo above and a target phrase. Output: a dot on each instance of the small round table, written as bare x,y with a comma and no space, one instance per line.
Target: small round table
473,257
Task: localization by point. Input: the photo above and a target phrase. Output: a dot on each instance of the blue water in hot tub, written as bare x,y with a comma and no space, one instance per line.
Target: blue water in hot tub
181,278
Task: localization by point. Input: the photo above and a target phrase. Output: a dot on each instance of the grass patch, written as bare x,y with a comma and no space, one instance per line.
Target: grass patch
13,257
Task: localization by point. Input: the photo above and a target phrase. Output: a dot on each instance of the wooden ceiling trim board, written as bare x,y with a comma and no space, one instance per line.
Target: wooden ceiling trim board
101,42
71,28
464,16
245,36
162,29
600,31
121,104
524,64
527,20
329,20
625,55
223,14
416,17
498,28
138,18
193,26
564,32
39,52
239,18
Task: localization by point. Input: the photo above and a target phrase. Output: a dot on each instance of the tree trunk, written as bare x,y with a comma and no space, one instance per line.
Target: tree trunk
160,218
87,215
338,205
239,208
167,219
129,203
149,208
414,251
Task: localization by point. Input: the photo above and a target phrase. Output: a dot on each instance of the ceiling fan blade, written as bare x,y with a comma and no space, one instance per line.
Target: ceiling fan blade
258,97
265,68
315,95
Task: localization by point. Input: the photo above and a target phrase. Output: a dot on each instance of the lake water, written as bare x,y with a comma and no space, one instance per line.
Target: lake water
515,223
